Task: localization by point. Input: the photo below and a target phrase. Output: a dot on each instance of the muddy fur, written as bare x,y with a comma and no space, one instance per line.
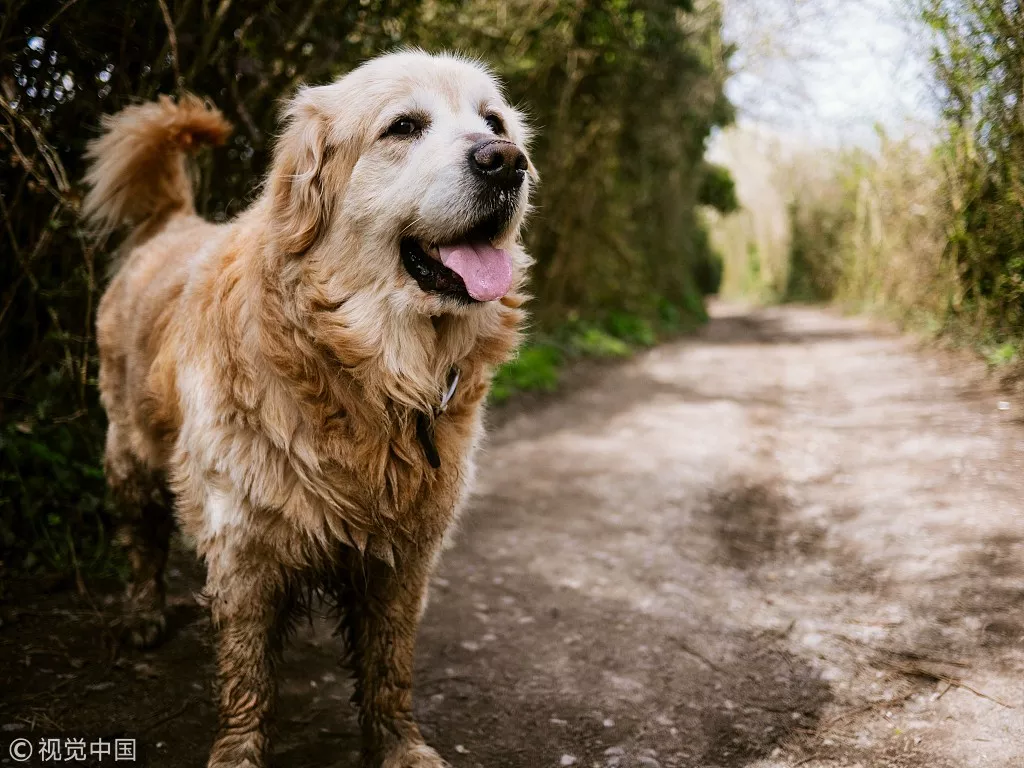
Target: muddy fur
269,372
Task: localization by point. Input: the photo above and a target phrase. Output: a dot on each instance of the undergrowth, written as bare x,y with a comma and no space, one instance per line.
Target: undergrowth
539,365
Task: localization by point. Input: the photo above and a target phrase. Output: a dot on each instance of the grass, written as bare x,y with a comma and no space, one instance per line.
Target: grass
536,369
539,365
1001,355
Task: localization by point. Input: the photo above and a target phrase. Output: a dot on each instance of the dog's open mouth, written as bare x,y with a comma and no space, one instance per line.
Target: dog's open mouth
468,268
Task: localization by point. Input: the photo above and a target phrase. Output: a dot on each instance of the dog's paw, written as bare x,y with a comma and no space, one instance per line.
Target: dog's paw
414,756
144,629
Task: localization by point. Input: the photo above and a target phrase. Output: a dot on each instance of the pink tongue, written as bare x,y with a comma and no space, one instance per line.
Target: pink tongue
486,271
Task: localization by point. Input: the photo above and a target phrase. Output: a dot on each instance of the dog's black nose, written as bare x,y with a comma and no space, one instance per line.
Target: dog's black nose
499,162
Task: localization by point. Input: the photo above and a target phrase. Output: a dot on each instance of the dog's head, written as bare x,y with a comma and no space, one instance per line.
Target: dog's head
408,178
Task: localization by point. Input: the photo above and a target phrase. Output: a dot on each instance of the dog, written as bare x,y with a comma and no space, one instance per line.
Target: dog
302,387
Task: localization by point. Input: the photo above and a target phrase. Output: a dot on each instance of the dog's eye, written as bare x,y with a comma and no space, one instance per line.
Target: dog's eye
495,124
404,126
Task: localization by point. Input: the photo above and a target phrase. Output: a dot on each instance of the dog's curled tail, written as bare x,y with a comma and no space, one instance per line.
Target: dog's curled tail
137,168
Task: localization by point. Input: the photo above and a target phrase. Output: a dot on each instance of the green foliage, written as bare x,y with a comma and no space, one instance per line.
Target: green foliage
624,96
718,190
707,275
978,65
815,250
49,498
536,369
618,334
636,331
1001,355
595,342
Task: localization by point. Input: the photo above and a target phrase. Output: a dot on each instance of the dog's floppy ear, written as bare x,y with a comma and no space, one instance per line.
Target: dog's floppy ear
301,197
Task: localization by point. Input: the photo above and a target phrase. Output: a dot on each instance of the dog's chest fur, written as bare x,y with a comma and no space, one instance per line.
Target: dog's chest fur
288,437
258,466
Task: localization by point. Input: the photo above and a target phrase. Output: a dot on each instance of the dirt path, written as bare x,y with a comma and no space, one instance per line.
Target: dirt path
789,541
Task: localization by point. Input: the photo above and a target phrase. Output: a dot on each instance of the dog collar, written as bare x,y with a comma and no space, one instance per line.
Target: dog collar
425,421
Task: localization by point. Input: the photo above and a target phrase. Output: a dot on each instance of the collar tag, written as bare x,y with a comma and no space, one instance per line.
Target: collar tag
453,384
425,422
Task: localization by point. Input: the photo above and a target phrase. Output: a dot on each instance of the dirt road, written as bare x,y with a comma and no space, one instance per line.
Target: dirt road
789,541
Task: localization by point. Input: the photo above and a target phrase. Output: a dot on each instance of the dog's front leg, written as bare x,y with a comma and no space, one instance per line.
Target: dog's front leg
381,617
248,608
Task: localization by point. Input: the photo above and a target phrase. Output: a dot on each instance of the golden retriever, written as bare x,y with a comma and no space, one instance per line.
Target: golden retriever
306,382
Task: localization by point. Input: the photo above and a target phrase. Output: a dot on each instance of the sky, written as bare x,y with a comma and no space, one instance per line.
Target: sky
829,71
